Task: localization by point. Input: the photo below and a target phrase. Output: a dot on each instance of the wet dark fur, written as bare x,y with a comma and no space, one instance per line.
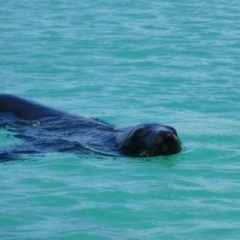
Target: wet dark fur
46,129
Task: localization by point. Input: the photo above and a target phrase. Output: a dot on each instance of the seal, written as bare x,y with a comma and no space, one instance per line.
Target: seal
44,129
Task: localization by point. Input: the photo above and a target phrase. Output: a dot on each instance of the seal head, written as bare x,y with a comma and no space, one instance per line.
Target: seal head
149,140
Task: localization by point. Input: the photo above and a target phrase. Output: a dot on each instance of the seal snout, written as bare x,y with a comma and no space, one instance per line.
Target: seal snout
160,136
165,136
164,141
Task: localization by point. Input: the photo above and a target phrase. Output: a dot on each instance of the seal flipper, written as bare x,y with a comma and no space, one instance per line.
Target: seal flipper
9,156
16,152
6,157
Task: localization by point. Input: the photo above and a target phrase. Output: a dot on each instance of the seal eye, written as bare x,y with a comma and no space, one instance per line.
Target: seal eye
173,130
136,138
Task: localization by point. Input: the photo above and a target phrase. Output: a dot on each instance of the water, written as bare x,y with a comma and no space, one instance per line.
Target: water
126,63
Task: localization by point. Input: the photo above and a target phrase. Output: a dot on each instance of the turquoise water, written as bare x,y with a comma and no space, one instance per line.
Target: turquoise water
126,63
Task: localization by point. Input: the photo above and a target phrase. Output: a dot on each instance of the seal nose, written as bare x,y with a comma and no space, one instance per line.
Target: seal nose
165,136
168,137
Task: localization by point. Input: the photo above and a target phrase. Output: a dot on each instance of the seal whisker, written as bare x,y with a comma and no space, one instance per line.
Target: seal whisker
154,151
150,151
143,152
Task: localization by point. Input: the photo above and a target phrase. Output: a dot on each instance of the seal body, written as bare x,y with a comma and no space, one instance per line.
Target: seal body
25,109
46,129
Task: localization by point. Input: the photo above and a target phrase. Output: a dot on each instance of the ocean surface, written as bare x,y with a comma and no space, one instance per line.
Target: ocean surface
126,62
